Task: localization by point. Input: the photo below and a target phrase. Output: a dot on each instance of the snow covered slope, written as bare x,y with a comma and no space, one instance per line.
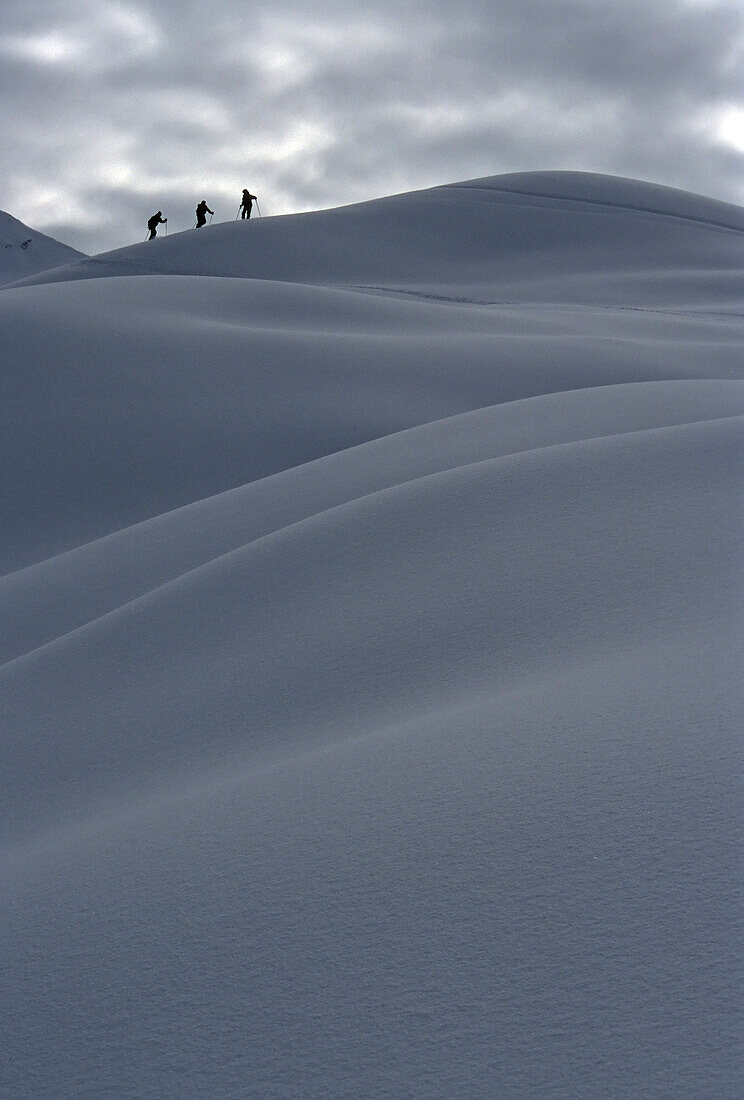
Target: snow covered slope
547,236
24,252
370,628
269,348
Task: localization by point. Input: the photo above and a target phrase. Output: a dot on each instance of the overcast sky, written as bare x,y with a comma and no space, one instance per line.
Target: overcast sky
112,110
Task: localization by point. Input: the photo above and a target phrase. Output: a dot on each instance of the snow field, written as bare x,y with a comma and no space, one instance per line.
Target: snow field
370,627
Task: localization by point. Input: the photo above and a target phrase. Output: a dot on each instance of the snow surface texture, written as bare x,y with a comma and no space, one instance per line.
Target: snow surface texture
370,621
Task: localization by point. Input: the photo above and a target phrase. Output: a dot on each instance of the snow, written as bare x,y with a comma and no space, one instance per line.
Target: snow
24,252
370,623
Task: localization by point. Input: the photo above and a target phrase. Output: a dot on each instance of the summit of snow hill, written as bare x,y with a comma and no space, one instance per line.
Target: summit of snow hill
513,237
24,252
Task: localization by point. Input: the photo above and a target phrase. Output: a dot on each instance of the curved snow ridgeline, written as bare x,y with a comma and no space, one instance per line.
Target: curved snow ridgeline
370,628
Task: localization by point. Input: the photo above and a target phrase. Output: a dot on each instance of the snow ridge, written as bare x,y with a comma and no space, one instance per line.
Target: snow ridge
370,651
25,253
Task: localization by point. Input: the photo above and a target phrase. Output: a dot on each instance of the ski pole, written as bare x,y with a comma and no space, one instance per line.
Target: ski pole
258,208
238,213
210,219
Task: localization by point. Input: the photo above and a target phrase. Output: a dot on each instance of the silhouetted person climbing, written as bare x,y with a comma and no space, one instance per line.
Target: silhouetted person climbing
247,204
201,213
154,222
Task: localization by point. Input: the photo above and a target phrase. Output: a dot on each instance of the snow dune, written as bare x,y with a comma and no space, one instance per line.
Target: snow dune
193,386
54,597
527,237
370,629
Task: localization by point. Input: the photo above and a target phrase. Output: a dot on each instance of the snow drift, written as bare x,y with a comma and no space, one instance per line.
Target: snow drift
370,626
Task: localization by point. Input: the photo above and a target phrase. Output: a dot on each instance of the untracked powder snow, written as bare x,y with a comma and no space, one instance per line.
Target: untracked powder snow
371,638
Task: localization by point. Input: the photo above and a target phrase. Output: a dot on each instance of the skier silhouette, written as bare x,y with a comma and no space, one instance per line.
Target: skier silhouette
154,222
247,204
201,213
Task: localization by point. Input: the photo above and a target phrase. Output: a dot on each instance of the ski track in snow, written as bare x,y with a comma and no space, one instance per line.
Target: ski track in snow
603,204
370,652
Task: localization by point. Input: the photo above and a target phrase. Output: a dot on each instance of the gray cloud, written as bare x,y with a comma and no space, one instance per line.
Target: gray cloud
114,109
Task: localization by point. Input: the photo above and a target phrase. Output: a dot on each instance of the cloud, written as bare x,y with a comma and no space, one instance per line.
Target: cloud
113,110
98,37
